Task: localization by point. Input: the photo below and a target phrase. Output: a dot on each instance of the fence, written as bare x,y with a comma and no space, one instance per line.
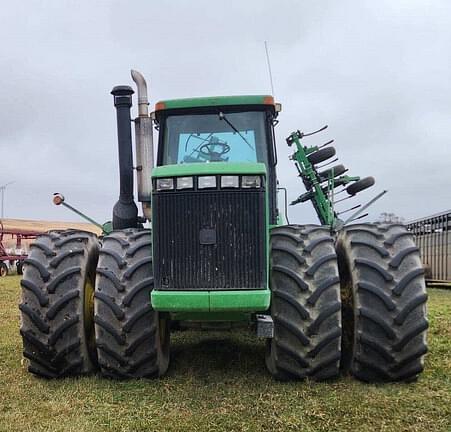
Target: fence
433,237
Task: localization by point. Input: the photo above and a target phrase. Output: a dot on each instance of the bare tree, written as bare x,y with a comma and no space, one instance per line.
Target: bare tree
386,217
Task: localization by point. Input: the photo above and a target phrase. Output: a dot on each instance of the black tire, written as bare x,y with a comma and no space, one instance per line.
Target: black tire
56,305
321,155
3,269
360,185
19,267
132,339
337,169
305,304
384,303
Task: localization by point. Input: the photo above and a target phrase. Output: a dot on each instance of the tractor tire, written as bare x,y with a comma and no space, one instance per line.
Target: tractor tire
57,304
305,304
337,171
3,269
384,303
132,339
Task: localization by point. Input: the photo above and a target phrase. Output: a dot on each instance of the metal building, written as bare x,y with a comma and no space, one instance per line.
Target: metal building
433,238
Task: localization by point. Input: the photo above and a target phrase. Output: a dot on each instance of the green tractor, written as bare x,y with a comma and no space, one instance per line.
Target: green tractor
329,299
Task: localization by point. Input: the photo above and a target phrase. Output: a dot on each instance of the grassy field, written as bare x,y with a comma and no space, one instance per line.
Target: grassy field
218,381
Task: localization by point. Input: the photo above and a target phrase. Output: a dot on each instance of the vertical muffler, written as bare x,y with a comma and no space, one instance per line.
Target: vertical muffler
144,145
125,212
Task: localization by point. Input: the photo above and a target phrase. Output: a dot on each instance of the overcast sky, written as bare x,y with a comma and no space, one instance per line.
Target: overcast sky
377,72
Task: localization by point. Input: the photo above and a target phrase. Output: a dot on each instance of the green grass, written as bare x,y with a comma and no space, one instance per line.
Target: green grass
218,381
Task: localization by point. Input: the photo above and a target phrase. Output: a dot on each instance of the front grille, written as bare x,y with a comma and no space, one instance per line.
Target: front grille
211,240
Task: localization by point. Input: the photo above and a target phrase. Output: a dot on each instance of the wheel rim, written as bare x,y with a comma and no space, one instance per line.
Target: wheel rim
3,271
88,315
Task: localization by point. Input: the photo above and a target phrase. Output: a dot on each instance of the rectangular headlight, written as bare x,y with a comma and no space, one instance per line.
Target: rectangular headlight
165,184
251,182
230,181
207,182
184,182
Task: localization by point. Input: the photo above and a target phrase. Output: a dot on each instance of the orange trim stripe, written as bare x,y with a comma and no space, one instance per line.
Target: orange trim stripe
160,106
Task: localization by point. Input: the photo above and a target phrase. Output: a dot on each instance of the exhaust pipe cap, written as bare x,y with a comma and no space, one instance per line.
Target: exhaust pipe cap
122,90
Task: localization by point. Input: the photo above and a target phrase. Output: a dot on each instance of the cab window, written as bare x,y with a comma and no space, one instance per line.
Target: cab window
216,137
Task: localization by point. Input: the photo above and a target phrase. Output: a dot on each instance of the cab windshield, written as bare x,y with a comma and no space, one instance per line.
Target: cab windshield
216,137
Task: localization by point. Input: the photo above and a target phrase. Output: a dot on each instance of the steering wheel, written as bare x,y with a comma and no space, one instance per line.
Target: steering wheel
208,149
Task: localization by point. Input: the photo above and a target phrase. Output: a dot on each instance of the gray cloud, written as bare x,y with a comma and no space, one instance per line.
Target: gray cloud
376,72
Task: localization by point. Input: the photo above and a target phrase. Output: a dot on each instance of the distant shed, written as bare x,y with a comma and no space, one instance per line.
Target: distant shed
433,237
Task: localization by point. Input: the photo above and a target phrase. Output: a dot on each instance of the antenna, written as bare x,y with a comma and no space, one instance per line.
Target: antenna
269,68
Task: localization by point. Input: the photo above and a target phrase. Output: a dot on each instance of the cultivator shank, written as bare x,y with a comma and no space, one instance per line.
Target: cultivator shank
321,185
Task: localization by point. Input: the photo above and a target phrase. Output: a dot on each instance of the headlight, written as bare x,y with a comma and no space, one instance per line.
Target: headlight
207,182
251,182
184,182
230,181
165,184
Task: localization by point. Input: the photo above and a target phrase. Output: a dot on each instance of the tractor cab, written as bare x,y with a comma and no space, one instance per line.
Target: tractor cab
217,129
229,130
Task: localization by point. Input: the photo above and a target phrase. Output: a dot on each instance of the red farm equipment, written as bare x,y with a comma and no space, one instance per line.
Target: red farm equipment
10,259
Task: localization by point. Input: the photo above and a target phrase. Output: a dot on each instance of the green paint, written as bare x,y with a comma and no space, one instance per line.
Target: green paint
252,301
211,316
323,206
211,301
267,236
107,227
227,168
321,196
174,301
214,101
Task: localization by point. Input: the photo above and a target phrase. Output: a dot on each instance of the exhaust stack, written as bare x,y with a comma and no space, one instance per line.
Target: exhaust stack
125,212
144,145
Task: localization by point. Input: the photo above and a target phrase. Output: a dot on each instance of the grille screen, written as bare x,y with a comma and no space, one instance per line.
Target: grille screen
209,240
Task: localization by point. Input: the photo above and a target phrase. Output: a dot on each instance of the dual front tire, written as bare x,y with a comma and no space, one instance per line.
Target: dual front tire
86,306
384,303
354,304
305,304
57,289
132,339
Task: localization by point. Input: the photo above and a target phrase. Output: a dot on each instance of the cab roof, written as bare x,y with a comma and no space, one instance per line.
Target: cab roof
214,101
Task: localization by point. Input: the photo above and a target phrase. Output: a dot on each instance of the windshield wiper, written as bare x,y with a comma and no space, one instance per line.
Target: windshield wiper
223,117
